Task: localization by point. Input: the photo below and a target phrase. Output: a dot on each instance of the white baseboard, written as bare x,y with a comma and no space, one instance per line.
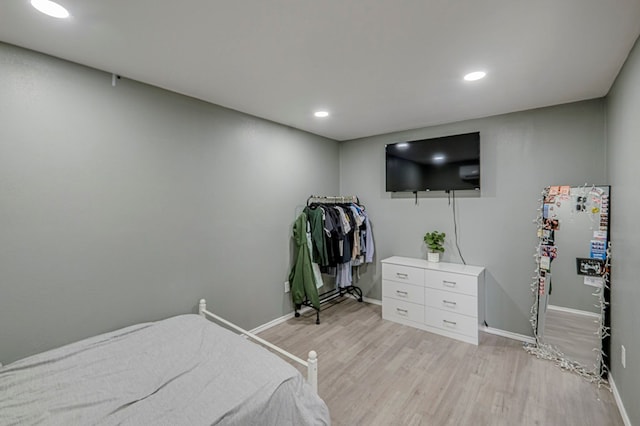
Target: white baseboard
616,395
274,322
271,323
573,311
372,301
507,334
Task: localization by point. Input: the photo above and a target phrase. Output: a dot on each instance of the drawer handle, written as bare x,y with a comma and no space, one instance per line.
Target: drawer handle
402,311
453,323
402,293
449,283
403,276
448,302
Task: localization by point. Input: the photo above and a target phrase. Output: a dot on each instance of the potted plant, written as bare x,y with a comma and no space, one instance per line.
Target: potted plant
435,242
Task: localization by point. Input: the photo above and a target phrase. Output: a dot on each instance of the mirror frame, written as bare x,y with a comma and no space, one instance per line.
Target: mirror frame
599,372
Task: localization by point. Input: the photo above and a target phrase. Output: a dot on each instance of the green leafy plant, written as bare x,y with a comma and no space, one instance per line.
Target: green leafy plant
435,241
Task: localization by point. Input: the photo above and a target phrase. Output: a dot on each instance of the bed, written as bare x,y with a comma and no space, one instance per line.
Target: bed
184,370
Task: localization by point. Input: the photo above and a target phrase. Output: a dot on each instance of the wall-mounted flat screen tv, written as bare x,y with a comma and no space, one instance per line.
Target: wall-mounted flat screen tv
437,164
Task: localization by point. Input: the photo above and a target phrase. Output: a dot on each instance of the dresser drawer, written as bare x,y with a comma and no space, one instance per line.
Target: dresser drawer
404,274
452,322
447,281
393,309
452,302
401,291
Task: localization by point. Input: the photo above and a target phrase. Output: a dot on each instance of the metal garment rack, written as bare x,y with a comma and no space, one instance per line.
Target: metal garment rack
336,293
317,199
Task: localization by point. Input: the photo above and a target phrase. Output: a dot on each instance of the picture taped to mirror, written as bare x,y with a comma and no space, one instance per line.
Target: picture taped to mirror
589,267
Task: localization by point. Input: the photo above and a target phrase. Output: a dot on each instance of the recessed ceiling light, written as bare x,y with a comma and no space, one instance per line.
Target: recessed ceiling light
438,158
50,8
476,75
321,114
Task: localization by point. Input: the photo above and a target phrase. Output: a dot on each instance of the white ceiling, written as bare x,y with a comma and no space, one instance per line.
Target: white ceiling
377,66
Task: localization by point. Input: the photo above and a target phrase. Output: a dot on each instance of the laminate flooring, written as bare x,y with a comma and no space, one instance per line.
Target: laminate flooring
574,335
376,372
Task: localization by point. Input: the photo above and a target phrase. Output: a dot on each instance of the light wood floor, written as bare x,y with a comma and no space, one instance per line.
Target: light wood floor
375,372
574,335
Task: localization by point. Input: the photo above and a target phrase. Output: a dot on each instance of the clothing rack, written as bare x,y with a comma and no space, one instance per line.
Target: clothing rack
339,199
336,293
330,295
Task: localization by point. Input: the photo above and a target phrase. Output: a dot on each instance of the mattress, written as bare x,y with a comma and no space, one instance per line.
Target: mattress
183,370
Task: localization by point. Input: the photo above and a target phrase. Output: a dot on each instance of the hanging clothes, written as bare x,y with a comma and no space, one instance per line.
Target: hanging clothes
334,232
341,240
369,246
301,278
357,249
344,277
319,248
335,239
317,274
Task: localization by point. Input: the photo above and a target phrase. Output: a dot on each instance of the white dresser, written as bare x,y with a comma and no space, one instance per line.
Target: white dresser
443,298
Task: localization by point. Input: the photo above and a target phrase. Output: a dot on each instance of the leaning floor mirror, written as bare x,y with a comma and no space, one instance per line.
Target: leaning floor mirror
571,285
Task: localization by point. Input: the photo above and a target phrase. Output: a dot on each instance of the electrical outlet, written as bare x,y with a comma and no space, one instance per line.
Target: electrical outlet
623,356
287,287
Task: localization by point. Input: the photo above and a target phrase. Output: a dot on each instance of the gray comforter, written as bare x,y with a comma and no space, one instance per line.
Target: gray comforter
181,371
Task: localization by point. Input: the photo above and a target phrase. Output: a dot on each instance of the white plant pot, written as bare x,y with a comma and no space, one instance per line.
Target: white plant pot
433,257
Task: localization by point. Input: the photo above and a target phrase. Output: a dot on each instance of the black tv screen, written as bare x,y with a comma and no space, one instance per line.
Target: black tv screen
437,164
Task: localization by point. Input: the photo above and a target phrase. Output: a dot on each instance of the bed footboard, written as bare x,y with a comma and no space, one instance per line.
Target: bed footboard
311,363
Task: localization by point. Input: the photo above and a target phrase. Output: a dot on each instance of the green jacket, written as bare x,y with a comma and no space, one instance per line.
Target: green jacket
319,251
303,286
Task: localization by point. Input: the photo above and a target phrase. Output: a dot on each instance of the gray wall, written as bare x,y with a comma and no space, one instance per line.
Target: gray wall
129,203
521,153
623,152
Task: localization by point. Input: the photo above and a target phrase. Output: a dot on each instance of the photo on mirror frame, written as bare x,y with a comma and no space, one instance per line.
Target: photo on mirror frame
549,251
589,267
551,224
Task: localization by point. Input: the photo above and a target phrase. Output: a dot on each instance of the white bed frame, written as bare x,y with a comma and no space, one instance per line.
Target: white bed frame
311,363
